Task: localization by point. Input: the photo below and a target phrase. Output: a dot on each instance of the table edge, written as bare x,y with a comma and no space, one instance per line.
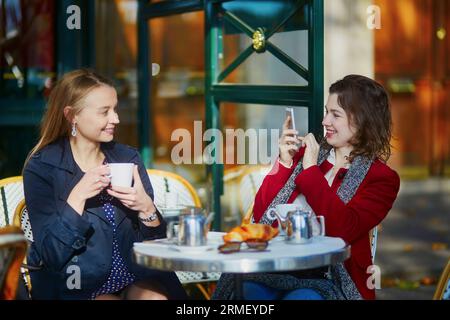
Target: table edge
244,265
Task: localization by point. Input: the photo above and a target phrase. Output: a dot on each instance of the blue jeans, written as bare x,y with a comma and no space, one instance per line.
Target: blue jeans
257,291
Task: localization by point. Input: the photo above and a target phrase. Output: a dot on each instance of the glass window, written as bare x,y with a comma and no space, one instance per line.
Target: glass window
116,58
27,48
250,143
261,125
283,24
177,96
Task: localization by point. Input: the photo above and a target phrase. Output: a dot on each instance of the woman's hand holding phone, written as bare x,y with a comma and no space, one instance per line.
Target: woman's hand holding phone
289,143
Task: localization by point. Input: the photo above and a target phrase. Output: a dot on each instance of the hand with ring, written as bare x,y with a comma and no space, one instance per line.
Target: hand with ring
92,183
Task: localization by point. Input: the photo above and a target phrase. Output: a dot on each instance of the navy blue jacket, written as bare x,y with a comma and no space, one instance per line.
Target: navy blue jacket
67,244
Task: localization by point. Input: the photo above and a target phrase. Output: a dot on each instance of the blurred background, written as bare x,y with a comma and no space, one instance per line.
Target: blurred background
407,51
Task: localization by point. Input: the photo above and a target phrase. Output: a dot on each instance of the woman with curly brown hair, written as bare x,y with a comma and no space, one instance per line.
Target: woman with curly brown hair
345,179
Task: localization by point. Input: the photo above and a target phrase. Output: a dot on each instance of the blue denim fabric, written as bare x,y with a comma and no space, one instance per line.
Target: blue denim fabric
256,291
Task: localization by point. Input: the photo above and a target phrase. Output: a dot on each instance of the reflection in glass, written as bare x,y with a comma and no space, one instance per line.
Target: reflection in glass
116,58
27,46
177,96
285,30
260,122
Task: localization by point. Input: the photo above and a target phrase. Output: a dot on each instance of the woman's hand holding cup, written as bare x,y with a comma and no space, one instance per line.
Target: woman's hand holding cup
92,183
135,198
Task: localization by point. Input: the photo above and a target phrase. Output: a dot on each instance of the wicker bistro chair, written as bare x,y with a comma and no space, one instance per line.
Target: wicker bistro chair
11,193
250,182
443,287
22,221
167,187
169,190
12,201
172,190
13,248
229,201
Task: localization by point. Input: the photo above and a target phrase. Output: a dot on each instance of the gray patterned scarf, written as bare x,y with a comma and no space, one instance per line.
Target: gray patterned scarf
340,286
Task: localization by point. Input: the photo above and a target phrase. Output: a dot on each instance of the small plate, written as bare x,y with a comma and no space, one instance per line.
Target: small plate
193,250
215,237
280,237
172,211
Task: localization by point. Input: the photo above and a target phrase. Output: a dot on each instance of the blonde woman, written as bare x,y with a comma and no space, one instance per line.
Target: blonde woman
83,228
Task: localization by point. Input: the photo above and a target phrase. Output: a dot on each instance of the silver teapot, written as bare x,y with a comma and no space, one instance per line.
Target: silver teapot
298,225
191,229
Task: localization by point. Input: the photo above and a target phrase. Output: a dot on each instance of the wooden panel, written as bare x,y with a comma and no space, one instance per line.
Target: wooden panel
403,42
407,47
446,43
441,88
404,26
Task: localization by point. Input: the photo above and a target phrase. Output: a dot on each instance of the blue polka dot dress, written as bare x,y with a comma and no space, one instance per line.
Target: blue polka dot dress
119,276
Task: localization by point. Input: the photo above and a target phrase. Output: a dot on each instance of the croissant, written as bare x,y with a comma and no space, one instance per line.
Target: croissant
262,232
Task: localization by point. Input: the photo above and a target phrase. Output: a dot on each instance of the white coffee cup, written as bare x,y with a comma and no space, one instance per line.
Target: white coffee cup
121,174
171,200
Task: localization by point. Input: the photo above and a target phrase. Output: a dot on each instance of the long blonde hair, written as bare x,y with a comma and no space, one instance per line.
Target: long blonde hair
70,90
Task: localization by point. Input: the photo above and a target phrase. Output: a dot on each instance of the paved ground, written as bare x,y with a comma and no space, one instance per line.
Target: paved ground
414,240
421,293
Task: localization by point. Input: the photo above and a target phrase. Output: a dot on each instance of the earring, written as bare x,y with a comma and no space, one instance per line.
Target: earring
74,130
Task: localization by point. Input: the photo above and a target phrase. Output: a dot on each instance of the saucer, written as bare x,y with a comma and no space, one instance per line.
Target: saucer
279,237
171,211
215,237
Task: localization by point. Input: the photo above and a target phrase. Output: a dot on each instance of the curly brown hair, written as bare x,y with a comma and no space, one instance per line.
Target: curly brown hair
367,105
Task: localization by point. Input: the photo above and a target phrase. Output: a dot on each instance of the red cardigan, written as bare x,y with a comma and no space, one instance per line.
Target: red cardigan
351,222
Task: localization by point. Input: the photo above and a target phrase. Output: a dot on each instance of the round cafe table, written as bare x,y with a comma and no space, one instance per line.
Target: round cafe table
279,256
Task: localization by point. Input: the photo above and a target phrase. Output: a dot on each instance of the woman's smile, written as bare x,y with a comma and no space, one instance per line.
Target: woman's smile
330,132
109,131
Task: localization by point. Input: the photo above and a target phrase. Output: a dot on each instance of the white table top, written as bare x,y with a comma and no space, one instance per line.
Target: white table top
279,256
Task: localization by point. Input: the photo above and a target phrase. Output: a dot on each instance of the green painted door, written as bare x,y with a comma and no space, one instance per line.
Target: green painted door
281,38
257,53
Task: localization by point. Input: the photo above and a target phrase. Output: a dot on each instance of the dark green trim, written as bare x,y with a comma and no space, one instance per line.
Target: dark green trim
238,23
236,63
91,41
215,171
166,8
144,83
276,95
270,33
21,103
316,63
310,96
287,60
277,52
19,112
73,47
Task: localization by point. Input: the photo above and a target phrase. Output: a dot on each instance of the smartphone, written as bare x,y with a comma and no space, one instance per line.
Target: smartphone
290,112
